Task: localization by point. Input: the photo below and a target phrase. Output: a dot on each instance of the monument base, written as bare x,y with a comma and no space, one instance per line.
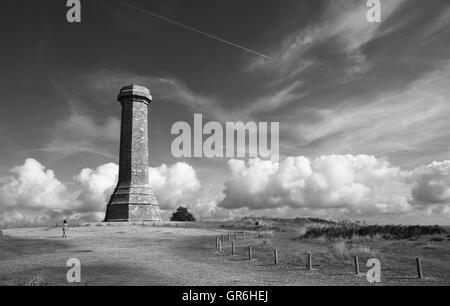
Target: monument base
132,212
132,203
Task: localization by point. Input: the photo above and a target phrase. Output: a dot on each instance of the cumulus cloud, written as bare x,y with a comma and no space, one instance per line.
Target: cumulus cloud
432,184
175,185
97,186
27,216
356,184
34,195
328,186
33,186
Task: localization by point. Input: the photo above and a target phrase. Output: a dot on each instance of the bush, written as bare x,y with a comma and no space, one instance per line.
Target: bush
347,230
339,249
182,214
437,239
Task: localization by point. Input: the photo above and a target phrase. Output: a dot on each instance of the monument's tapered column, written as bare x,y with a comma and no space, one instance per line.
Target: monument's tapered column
133,199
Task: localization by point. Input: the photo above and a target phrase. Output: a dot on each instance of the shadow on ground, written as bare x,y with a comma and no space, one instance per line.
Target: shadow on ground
11,247
105,274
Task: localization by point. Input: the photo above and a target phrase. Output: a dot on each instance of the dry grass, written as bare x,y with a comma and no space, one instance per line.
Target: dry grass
437,239
38,281
340,249
147,255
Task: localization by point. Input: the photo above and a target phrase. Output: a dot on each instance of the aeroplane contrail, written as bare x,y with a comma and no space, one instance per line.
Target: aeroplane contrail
192,29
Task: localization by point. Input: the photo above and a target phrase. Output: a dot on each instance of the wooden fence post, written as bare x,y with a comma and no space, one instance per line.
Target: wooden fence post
243,234
275,253
356,265
309,264
220,246
250,257
419,268
217,242
232,248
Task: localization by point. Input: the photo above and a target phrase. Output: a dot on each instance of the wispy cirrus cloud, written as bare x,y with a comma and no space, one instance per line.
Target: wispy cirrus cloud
169,89
343,23
80,133
92,126
439,26
415,118
105,82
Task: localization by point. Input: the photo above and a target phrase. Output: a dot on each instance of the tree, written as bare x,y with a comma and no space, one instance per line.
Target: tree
182,214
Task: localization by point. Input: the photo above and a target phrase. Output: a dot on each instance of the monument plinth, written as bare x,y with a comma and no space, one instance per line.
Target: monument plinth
133,198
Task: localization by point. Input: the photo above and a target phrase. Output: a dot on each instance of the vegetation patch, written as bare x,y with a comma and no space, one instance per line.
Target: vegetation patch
355,230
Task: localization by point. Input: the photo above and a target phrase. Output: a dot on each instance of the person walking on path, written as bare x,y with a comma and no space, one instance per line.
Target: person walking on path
65,228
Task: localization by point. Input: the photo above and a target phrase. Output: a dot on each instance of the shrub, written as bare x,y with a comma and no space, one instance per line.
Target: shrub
362,249
347,230
339,249
182,214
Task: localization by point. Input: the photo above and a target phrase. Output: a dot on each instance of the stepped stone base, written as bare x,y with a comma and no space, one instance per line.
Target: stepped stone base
132,212
133,204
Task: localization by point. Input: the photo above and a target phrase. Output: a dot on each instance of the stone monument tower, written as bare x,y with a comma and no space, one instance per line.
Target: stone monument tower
133,199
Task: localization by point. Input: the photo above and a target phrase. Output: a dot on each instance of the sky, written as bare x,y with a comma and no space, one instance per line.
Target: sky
363,107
